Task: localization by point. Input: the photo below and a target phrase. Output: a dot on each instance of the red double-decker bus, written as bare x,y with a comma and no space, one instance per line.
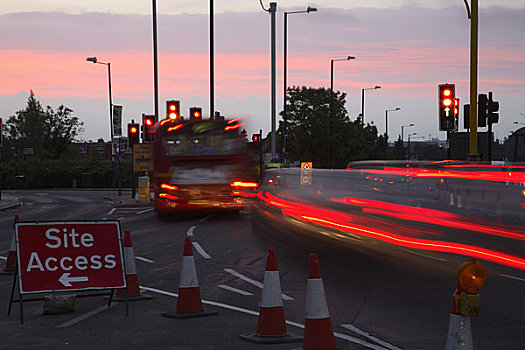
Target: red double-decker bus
199,164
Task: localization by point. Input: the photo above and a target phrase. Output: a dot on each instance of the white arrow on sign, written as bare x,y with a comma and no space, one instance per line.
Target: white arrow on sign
65,279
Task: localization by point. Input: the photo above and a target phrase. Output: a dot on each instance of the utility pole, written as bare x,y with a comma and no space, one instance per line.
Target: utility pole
273,10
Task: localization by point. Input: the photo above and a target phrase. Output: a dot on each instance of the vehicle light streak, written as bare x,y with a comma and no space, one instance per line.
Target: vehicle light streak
313,215
497,176
235,126
176,127
244,184
237,119
168,196
169,187
429,216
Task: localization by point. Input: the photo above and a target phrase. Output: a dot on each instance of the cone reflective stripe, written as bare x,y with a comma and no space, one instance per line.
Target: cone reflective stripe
132,281
459,335
271,295
188,274
318,333
316,306
189,303
271,323
10,263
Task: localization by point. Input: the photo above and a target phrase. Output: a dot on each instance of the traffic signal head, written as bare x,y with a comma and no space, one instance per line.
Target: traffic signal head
148,121
133,134
456,114
255,138
195,113
1,132
482,110
446,107
492,109
172,109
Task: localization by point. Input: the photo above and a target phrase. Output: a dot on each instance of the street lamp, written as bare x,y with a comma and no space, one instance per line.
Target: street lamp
408,147
402,127
332,98
363,102
94,60
386,119
518,123
285,53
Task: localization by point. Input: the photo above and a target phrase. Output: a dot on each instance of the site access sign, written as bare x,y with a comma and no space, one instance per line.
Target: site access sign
69,255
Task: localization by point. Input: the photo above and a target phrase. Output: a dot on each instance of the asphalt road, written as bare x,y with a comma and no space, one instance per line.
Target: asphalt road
378,296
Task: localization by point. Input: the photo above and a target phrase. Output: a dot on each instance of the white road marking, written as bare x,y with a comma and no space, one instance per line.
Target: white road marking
231,289
144,211
201,251
371,337
111,212
190,231
84,316
513,277
145,259
3,257
255,283
255,313
207,217
426,256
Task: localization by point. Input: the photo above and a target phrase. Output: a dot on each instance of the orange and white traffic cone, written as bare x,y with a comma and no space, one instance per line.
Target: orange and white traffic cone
189,303
10,264
132,281
318,333
271,323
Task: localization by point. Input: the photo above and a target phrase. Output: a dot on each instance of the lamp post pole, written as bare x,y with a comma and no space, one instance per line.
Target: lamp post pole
94,60
363,102
386,119
402,127
285,84
331,101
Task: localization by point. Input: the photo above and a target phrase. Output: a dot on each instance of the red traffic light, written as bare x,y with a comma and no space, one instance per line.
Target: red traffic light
172,109
133,130
447,107
195,113
255,137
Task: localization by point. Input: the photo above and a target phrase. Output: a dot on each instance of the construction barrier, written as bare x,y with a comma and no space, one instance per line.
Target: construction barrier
318,333
271,323
189,303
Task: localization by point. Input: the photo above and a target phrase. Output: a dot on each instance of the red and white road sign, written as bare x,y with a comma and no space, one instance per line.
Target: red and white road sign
69,255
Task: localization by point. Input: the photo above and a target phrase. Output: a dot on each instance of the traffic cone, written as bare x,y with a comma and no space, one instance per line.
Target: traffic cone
10,264
318,333
459,336
132,281
271,323
189,303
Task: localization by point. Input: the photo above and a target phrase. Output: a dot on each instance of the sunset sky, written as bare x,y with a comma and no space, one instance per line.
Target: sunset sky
406,47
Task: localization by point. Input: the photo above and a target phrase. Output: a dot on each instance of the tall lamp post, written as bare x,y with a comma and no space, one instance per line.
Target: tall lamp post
386,119
285,53
402,127
94,60
331,100
363,102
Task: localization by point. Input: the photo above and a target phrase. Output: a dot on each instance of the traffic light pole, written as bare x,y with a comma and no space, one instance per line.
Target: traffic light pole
473,81
260,154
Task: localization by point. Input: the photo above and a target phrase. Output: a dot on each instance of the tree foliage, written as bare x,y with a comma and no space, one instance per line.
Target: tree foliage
50,133
308,130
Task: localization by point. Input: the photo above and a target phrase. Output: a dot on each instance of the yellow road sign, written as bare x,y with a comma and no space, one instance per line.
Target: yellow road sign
143,157
306,173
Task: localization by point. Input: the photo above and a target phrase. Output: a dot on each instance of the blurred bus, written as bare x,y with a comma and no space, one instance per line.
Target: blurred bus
199,164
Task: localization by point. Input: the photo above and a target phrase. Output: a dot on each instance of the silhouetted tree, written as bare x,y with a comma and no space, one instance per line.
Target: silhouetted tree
50,133
308,129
